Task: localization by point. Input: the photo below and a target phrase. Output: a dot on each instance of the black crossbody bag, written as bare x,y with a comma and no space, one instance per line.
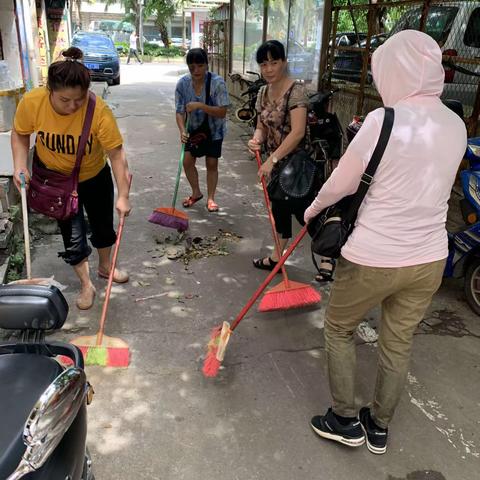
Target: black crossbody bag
200,139
332,227
294,176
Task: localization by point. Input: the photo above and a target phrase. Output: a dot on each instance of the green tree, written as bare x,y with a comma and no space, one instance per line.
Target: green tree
132,11
163,11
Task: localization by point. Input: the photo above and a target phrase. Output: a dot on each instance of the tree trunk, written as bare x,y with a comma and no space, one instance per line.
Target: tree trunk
164,33
78,4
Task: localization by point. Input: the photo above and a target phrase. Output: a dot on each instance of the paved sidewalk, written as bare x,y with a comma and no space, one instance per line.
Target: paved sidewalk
160,419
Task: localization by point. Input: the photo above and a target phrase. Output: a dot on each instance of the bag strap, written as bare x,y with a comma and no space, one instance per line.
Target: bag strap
285,112
87,124
207,97
372,166
207,88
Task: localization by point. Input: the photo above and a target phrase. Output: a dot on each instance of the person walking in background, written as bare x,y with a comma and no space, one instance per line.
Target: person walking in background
396,253
202,97
56,114
133,48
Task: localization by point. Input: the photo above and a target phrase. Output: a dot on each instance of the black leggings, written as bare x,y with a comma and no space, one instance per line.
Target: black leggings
96,197
283,210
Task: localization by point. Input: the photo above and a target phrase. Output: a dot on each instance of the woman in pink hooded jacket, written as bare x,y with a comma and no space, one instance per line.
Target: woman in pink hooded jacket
396,253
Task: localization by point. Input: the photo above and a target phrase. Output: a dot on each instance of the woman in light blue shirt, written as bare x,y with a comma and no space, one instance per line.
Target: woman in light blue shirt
206,123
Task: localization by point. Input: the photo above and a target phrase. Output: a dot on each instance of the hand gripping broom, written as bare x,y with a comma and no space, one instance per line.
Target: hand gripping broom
170,217
100,349
221,335
286,294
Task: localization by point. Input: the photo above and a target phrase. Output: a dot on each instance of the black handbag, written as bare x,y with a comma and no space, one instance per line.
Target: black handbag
332,227
294,176
200,139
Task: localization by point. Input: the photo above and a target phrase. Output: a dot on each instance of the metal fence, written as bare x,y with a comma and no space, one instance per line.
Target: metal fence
357,29
216,36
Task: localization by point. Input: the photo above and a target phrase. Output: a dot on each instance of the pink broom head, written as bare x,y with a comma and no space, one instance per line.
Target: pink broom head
211,365
296,295
170,218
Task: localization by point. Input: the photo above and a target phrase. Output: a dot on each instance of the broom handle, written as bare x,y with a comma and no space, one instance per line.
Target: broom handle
26,233
269,278
179,171
272,220
103,318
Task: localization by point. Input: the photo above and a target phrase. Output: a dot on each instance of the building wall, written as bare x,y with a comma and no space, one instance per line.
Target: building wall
10,41
198,19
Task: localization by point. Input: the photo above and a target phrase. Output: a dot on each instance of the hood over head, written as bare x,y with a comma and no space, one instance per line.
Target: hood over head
408,64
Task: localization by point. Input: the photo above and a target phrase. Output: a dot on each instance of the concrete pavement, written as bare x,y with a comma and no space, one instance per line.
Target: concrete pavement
160,419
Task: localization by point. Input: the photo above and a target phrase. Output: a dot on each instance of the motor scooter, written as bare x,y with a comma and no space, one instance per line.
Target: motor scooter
43,403
464,245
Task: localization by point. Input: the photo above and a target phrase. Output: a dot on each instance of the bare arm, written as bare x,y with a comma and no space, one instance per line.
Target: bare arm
20,146
298,118
258,138
121,173
180,118
218,112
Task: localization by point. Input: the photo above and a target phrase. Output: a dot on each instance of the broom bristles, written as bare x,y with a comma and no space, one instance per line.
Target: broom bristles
211,365
113,352
170,218
296,295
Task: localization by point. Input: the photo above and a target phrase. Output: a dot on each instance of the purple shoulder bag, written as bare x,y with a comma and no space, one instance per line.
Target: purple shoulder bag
53,193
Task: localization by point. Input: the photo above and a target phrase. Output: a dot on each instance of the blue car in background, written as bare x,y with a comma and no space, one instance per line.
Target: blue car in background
99,56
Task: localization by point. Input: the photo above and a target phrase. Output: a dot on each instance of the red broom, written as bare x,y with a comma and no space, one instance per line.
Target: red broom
286,294
221,335
100,349
170,217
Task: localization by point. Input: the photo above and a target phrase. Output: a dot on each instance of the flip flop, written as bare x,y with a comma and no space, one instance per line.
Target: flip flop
190,201
212,206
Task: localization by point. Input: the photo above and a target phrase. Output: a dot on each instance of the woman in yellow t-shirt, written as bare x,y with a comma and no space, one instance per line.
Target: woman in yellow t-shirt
56,114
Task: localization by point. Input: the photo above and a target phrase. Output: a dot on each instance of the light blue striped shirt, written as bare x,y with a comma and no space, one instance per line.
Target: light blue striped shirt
185,93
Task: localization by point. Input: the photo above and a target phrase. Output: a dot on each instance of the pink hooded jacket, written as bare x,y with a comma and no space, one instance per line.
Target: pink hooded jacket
401,221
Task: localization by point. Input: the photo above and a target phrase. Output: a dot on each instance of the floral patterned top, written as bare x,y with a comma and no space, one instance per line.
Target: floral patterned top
272,113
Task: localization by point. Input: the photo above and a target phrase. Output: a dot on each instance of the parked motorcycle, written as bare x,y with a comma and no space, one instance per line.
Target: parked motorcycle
247,112
324,131
464,245
43,404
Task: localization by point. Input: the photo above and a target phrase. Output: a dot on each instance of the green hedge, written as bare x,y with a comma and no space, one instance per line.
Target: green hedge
153,50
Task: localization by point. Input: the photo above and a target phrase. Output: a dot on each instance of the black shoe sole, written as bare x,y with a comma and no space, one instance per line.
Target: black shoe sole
350,442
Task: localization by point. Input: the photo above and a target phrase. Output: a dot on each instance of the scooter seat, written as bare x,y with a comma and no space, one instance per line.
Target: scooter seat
23,379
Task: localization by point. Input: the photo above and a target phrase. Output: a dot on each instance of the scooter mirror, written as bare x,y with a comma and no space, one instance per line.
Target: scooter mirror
50,419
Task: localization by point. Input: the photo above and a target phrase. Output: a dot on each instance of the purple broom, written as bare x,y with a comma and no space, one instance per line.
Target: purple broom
170,217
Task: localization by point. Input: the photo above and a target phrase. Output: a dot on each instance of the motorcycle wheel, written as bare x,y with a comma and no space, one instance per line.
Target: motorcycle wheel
472,285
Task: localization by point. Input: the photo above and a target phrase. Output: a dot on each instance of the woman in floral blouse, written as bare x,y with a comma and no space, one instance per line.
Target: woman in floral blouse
281,127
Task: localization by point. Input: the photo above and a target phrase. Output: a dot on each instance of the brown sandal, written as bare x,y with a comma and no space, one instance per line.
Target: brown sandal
120,276
190,201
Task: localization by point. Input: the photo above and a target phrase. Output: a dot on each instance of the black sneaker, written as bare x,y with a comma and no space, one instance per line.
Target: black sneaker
376,436
328,426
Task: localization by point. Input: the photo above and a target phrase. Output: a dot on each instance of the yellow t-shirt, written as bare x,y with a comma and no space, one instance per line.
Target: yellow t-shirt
58,136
